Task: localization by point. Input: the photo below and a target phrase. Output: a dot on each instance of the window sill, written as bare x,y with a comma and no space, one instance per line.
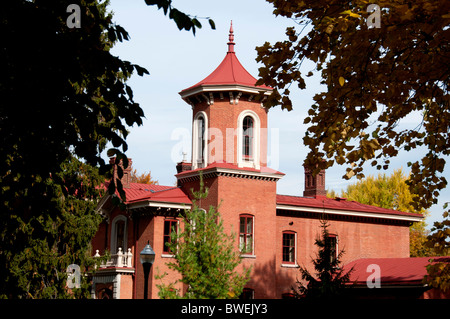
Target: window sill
252,164
248,256
167,256
290,266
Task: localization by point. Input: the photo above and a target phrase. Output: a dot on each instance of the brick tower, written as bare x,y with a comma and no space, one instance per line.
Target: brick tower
229,147
229,126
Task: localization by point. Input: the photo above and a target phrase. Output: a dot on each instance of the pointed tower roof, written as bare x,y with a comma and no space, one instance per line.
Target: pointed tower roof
229,75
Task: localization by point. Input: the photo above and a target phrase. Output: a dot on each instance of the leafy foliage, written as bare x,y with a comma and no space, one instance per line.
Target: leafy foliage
144,178
55,231
439,240
69,94
392,192
438,275
64,98
184,21
329,280
205,256
374,77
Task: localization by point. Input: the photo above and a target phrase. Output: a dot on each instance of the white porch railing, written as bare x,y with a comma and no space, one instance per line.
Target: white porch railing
118,260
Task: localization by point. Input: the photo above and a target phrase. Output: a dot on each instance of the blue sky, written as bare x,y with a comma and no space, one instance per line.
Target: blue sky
178,59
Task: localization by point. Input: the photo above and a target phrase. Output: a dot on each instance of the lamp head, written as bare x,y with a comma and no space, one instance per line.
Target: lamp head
147,255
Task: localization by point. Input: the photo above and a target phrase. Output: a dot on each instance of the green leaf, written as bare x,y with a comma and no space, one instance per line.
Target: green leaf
129,91
112,152
140,70
196,23
122,33
111,188
112,35
212,24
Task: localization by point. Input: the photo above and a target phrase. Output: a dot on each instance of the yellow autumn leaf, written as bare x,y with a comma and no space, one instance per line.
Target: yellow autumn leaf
341,81
349,174
350,13
329,29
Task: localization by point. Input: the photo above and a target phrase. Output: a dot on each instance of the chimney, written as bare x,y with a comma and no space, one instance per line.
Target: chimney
314,185
183,166
126,178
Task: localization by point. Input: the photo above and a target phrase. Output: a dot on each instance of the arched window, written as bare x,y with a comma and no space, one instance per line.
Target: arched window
248,148
199,147
247,136
201,139
119,234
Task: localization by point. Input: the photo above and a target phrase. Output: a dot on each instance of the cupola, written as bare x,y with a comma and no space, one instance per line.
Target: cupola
230,76
229,123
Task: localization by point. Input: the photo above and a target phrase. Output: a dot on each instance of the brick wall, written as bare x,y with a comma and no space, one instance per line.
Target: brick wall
238,196
126,286
151,228
359,239
222,116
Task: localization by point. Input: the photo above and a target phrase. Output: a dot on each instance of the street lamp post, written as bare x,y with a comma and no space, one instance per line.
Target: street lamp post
147,258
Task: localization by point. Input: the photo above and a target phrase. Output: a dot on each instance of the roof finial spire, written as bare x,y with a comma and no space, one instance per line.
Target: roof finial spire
231,39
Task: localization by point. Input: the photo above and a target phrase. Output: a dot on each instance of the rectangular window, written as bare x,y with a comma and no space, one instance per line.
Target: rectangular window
288,247
331,246
246,234
170,225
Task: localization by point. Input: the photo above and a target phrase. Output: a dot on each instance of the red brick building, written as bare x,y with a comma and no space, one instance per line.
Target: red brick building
229,148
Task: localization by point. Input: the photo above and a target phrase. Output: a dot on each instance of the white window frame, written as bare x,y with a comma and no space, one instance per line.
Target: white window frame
166,254
113,240
252,254
283,263
195,160
336,253
255,161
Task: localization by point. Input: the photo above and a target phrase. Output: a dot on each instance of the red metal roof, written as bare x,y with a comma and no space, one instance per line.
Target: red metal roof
393,271
229,72
338,204
156,193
